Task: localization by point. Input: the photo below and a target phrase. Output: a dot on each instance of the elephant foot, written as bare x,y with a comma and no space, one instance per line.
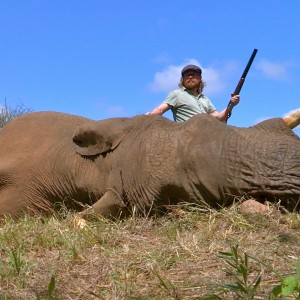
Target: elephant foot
293,119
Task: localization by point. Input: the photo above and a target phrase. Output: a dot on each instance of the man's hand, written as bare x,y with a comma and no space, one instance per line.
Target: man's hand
234,100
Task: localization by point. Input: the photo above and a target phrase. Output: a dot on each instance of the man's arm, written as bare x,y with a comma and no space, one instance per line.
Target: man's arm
159,110
223,115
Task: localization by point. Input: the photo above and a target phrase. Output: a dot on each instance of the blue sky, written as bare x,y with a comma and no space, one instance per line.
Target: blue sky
102,59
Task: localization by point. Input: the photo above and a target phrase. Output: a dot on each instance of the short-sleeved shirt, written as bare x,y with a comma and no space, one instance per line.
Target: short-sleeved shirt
185,104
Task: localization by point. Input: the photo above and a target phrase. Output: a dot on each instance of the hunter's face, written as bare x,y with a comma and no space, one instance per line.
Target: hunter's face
191,79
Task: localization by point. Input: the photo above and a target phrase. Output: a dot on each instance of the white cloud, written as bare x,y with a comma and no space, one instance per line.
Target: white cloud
273,70
168,79
213,79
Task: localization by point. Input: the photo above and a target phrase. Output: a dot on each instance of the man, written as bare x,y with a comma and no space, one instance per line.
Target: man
189,100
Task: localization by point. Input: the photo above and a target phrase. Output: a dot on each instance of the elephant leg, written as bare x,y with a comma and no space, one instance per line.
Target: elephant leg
293,119
110,205
11,204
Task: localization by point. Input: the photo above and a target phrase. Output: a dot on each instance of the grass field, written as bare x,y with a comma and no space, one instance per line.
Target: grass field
190,253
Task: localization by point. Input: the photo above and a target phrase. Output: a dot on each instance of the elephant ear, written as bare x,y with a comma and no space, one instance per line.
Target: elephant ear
100,136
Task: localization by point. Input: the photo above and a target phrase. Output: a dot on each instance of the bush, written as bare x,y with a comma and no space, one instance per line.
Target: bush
8,113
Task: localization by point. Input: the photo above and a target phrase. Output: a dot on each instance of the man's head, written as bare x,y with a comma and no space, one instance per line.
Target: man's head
191,78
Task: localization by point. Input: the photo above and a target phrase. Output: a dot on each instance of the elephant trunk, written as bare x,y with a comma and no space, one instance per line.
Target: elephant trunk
262,160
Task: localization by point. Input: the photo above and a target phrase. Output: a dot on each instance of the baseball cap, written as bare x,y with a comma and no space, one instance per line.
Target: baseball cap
191,68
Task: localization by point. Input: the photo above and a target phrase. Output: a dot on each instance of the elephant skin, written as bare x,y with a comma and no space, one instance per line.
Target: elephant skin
120,165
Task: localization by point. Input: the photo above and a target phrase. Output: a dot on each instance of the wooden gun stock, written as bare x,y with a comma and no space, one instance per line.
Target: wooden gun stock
241,82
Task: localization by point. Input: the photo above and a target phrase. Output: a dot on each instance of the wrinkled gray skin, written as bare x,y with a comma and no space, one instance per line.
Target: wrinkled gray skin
48,159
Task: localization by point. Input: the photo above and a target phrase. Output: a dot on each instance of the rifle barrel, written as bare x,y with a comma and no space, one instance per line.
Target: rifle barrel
243,77
241,82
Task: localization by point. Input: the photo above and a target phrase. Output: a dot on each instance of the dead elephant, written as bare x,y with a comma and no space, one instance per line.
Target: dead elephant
120,164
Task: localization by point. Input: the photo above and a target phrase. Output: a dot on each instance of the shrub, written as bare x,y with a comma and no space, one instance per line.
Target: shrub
8,113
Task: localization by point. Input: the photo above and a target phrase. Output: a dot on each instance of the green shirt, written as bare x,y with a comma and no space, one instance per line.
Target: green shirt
185,104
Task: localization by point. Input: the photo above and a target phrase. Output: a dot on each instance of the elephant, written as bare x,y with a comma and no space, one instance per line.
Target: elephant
143,164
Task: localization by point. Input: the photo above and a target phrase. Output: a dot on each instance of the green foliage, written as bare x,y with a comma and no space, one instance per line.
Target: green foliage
49,293
290,285
243,287
8,113
16,264
166,284
51,287
238,267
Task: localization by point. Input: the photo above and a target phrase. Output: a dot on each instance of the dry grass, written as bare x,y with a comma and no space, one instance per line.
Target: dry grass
176,256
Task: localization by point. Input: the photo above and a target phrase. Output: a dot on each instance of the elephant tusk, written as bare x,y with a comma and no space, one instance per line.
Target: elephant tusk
293,119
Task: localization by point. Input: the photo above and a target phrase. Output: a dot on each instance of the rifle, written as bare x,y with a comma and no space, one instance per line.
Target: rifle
241,82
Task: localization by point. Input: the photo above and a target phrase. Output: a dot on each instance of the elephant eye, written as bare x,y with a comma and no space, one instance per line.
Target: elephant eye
77,141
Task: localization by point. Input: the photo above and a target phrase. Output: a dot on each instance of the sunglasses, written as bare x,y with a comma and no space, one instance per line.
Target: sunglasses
191,74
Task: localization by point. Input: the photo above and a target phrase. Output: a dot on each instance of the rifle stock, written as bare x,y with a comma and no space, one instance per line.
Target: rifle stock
241,82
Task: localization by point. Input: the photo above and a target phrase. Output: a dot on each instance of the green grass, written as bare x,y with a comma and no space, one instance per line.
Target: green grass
187,254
